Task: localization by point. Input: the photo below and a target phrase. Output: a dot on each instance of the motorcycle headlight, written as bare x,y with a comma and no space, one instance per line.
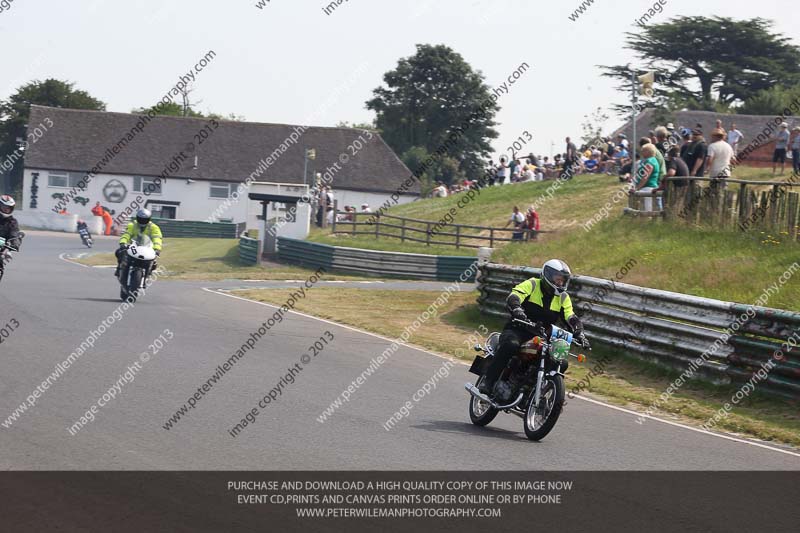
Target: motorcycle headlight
560,350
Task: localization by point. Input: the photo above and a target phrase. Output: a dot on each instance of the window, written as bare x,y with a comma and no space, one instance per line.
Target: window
65,179
147,185
163,211
220,189
58,179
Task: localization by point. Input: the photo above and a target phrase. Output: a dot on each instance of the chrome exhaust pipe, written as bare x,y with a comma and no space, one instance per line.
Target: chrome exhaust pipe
472,389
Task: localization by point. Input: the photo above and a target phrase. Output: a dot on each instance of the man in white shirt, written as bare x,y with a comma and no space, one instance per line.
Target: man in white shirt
734,137
720,154
518,219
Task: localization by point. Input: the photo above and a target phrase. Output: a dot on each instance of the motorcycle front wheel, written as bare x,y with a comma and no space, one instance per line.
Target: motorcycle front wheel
480,412
540,419
135,283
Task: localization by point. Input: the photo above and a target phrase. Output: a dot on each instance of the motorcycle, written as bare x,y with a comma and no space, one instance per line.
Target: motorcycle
86,237
531,386
136,267
6,247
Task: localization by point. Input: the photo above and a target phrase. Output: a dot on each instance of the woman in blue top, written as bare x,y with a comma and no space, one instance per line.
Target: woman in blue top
647,174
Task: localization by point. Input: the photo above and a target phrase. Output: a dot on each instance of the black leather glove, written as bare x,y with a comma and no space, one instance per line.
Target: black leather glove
519,314
122,246
581,336
158,253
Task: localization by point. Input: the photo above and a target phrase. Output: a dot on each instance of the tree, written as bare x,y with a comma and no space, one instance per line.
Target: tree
593,126
773,101
710,63
444,169
172,109
356,125
436,101
15,110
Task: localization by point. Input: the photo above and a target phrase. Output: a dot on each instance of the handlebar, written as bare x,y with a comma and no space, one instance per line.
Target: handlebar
538,329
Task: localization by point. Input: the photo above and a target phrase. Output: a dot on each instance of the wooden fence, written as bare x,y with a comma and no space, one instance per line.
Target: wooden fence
430,232
730,203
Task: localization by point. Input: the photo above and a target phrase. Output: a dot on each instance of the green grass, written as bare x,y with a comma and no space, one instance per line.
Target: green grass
212,259
703,261
624,380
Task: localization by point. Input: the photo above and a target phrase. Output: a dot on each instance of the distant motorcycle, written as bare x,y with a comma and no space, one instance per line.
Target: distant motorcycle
6,247
136,267
531,386
83,231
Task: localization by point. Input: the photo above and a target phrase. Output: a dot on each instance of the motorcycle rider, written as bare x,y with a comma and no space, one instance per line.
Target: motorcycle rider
9,228
543,301
141,226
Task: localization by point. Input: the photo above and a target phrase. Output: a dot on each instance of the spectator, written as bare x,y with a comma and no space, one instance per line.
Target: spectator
591,165
782,142
686,135
518,219
670,128
647,174
796,149
719,126
720,154
652,137
696,154
734,138
662,164
503,173
365,208
662,143
676,167
532,222
514,170
528,174
623,162
622,141
571,157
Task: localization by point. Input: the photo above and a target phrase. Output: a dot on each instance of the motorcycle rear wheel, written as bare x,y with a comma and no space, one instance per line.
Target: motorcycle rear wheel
539,420
480,413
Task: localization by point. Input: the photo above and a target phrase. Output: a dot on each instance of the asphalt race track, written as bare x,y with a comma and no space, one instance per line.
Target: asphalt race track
57,303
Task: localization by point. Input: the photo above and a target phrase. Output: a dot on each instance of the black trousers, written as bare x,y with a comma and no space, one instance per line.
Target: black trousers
510,341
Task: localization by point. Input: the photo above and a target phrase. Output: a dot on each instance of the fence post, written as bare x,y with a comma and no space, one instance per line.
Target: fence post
428,234
355,218
403,231
458,236
377,226
335,209
491,237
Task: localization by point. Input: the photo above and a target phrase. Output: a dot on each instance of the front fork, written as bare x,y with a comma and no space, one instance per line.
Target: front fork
539,380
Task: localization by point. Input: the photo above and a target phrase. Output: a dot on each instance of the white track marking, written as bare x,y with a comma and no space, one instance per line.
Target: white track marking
621,409
64,258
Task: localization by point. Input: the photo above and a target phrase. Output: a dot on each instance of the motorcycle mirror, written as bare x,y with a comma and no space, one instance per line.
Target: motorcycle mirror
477,348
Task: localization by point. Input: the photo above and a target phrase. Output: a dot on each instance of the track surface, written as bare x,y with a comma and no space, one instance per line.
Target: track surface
57,303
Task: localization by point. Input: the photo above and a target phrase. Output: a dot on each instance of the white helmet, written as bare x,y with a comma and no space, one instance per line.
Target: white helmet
556,275
7,204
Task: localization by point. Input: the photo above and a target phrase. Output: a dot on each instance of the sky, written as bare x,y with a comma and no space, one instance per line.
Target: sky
290,62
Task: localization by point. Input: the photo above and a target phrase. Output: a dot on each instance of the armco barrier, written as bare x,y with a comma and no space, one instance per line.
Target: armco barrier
668,328
249,250
195,228
372,262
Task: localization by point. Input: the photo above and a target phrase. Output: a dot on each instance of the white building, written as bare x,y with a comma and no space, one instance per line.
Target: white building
192,168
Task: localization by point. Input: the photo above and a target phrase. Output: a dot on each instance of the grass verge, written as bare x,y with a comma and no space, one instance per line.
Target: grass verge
213,259
623,381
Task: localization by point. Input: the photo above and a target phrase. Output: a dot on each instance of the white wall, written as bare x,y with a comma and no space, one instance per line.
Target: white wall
54,222
195,202
194,198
